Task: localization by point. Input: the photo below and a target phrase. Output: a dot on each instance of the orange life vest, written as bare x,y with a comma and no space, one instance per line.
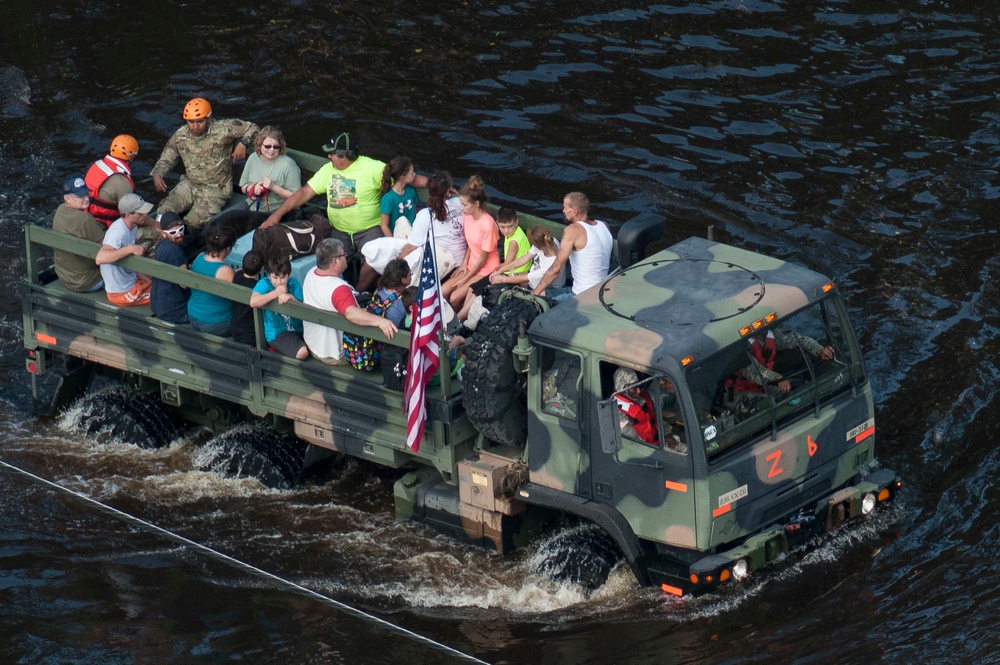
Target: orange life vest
105,211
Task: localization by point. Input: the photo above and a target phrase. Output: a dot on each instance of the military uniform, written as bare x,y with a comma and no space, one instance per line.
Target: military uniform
207,182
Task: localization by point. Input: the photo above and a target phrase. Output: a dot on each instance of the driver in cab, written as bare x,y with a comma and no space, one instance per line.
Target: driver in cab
764,347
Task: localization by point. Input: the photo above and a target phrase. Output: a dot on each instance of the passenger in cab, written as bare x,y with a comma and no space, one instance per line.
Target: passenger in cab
210,313
270,176
168,300
205,147
77,273
124,287
586,243
283,332
482,235
325,289
636,411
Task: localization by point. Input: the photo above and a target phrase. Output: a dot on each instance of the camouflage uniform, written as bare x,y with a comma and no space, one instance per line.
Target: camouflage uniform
207,182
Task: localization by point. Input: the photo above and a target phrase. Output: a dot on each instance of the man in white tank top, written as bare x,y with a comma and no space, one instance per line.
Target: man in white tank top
586,243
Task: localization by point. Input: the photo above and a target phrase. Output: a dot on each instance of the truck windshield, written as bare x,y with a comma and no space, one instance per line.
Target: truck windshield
774,376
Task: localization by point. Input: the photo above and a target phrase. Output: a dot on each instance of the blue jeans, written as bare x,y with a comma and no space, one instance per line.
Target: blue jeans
220,329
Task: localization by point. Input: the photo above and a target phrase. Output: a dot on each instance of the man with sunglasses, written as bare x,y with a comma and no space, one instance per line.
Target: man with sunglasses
352,183
169,300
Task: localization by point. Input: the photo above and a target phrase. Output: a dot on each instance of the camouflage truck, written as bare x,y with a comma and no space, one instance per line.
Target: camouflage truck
743,457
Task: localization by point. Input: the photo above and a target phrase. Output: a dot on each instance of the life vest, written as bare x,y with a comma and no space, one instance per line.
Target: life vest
765,354
641,417
105,211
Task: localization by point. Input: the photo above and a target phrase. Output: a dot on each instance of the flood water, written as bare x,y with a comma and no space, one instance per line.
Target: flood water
859,139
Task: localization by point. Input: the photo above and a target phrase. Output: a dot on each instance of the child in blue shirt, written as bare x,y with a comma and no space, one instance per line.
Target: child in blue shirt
283,332
398,197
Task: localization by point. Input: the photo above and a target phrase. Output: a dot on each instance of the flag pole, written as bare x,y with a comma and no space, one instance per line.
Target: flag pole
444,366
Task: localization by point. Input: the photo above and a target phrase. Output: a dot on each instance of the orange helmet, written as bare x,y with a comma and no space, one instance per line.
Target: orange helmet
197,109
124,147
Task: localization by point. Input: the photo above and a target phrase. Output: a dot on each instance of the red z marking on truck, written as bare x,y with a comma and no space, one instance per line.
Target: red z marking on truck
775,459
812,445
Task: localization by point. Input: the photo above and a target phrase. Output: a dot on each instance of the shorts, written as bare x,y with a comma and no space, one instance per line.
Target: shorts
329,361
479,286
288,343
137,295
221,329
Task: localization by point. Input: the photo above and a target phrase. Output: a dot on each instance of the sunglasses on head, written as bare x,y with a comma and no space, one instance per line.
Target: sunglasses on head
176,231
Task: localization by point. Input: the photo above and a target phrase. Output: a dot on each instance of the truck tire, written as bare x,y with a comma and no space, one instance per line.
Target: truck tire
254,450
126,415
584,555
492,390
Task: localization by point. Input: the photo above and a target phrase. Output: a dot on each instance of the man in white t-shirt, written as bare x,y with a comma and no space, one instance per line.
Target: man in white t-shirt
125,287
323,288
586,243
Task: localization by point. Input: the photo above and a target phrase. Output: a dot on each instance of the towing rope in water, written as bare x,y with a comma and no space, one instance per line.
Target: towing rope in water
246,567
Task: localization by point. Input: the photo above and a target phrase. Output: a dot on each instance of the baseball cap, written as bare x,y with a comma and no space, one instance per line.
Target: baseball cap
342,141
133,203
169,220
75,186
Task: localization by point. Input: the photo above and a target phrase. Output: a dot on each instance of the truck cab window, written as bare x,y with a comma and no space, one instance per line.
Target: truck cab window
648,408
774,375
560,383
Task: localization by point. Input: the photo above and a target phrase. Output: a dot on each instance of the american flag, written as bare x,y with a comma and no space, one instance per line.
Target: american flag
424,348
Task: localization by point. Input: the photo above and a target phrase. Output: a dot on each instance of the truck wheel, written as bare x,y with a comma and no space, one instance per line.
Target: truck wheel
254,450
127,415
583,554
492,390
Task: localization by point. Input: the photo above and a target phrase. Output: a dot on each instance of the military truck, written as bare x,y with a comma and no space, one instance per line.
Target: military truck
742,458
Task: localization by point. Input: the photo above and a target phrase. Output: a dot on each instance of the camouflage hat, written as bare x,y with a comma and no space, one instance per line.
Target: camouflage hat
625,377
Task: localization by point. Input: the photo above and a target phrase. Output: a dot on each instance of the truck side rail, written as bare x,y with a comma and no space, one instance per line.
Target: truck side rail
334,406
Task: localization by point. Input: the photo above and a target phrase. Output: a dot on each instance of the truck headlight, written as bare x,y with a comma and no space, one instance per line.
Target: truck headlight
740,569
867,504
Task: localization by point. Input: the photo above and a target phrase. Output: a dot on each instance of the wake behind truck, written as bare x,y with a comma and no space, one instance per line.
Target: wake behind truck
740,466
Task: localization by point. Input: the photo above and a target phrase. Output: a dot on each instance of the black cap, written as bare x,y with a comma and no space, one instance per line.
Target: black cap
342,141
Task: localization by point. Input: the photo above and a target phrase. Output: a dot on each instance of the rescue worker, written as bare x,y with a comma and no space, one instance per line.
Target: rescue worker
205,147
110,178
764,348
636,411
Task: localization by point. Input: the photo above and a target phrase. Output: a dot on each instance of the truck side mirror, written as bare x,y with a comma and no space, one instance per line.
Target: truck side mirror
609,431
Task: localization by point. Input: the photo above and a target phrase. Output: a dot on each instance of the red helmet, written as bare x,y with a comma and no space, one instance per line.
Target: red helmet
124,147
197,108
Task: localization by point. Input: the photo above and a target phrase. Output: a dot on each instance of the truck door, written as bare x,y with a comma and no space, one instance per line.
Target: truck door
557,406
649,479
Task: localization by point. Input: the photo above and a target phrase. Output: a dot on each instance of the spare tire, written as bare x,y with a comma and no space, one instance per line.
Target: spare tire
492,389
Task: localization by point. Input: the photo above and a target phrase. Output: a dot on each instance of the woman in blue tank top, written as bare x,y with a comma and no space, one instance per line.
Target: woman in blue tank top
209,313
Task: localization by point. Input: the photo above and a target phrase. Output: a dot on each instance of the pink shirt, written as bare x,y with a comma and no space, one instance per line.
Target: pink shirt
482,236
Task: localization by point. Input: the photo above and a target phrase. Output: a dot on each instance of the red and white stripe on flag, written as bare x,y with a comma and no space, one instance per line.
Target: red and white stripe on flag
424,355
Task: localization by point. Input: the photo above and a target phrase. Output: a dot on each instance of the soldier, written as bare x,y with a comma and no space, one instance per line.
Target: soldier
77,273
586,243
110,178
205,147
754,378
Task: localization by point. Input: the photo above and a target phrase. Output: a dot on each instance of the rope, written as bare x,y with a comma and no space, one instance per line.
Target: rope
246,567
